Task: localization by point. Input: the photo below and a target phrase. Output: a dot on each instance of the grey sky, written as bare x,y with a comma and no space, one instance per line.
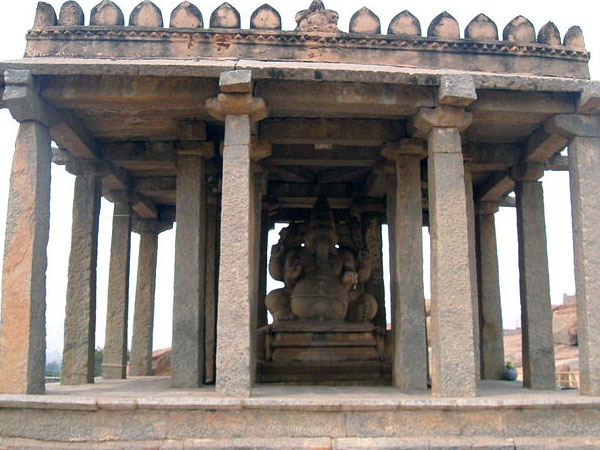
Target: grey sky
18,17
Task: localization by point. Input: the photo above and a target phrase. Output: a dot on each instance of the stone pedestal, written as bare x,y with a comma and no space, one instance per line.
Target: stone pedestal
536,311
114,364
490,308
80,311
23,327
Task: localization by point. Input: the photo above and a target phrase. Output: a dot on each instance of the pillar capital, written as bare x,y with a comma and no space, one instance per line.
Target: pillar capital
236,97
404,147
141,226
572,125
443,117
589,99
527,171
201,149
91,167
22,99
483,208
457,90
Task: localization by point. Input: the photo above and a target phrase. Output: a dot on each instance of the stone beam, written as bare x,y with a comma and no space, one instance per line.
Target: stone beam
358,132
557,163
486,156
496,186
542,144
138,155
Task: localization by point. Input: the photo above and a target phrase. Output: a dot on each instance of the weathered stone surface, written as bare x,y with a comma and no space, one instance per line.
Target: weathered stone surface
410,355
146,14
574,38
457,90
589,99
186,15
80,314
210,297
482,28
365,21
549,34
114,364
444,26
235,365
45,16
236,81
536,313
584,166
519,30
491,329
405,24
451,296
317,18
71,15
225,16
23,326
188,301
107,14
442,116
265,17
140,358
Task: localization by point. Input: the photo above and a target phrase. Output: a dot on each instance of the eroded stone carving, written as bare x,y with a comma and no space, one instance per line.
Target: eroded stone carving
481,27
186,15
323,277
317,18
365,21
265,18
444,26
107,13
519,30
146,14
225,16
44,15
405,24
71,15
549,34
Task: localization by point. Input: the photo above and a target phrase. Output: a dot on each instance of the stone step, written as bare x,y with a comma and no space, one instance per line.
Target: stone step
290,443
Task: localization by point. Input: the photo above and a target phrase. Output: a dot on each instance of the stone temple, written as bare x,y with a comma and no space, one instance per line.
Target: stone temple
226,131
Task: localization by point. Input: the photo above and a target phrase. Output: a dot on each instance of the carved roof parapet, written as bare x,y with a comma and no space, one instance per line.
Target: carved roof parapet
316,25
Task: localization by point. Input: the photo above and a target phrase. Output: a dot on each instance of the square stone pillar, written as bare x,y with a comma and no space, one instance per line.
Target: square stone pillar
375,285
140,357
490,308
210,306
454,369
80,311
536,309
473,265
237,309
114,364
23,326
187,360
406,248
583,133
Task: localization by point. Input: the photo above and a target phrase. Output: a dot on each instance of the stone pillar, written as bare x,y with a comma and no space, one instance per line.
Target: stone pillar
536,309
237,302
187,360
410,346
23,327
114,364
210,309
473,264
80,311
583,133
454,369
375,285
490,308
140,358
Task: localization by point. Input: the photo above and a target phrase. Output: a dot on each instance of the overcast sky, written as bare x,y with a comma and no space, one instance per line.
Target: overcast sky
17,18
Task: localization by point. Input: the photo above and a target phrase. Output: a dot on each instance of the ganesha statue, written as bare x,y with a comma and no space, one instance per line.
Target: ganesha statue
322,279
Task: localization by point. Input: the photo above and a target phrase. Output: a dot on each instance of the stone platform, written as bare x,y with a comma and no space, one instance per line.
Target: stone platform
144,412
